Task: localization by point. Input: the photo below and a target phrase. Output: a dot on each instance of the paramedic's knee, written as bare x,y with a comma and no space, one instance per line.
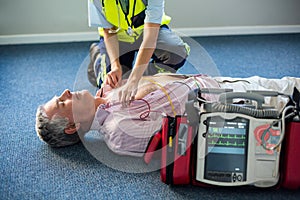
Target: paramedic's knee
173,60
171,50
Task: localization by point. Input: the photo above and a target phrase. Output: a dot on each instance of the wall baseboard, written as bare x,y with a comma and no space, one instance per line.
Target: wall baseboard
48,38
189,32
238,30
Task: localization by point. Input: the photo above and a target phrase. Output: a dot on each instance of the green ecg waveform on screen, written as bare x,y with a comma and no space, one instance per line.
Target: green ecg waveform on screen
226,140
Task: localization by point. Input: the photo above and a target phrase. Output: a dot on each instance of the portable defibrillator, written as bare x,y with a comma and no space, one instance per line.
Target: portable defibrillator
230,150
239,144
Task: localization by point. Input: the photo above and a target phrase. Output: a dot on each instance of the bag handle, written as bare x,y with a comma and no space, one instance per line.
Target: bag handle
229,96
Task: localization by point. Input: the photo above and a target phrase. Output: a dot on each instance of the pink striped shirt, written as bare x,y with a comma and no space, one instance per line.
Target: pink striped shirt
127,131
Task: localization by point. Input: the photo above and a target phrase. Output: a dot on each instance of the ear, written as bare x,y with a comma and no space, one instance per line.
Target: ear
71,129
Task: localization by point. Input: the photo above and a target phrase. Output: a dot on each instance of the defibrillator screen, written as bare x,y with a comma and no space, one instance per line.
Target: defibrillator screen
226,149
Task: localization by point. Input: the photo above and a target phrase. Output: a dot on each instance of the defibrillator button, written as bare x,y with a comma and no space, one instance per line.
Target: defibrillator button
239,178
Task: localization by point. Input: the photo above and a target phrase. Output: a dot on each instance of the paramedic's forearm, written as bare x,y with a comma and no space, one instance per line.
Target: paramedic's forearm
146,51
112,46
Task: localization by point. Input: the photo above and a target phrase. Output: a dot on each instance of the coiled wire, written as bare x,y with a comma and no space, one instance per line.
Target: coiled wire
257,113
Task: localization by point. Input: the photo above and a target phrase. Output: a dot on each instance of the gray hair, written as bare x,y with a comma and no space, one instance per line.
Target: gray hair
52,131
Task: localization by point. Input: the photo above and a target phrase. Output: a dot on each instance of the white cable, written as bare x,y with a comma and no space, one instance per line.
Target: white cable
282,134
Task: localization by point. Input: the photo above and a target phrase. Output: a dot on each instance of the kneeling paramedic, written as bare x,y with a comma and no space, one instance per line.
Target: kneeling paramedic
134,35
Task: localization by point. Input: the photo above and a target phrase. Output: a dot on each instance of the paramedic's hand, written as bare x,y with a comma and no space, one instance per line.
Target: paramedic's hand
127,93
114,77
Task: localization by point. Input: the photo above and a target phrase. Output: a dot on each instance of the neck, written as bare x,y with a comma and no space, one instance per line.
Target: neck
99,101
85,126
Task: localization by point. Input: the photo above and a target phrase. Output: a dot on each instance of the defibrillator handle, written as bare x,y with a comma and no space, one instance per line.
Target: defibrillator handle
215,90
269,93
227,98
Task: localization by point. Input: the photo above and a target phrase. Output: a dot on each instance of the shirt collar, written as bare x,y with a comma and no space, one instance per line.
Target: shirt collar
100,116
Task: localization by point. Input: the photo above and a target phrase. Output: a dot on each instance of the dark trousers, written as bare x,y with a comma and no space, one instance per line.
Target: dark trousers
170,54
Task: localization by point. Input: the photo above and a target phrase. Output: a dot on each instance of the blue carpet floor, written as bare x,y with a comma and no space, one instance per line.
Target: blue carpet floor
31,74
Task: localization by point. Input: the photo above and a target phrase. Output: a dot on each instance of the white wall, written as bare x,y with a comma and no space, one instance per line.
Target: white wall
29,21
215,13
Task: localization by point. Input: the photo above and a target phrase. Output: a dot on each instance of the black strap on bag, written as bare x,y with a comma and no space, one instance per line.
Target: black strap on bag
170,150
296,100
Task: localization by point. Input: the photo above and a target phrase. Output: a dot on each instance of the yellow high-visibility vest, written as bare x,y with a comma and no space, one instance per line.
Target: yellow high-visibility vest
121,17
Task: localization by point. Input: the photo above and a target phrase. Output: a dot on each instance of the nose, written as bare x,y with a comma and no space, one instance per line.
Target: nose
66,94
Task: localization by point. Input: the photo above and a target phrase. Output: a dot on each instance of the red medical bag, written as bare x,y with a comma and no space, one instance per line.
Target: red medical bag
290,172
177,138
179,153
